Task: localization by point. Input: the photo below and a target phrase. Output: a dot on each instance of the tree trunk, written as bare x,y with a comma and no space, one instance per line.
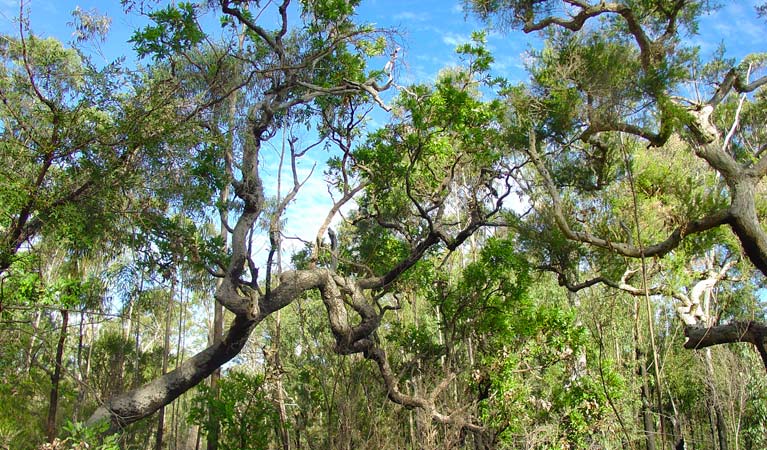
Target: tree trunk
721,424
721,427
32,339
214,427
284,436
81,376
180,337
165,357
141,402
56,377
647,419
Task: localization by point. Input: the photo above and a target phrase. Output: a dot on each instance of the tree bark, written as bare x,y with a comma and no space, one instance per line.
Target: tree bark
214,426
81,375
141,402
56,377
749,331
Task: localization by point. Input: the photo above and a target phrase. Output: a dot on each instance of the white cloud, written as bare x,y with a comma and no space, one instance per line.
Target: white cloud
454,39
411,16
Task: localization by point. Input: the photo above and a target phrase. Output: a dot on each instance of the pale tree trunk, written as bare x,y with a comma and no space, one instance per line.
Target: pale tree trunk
53,405
695,310
32,339
676,427
179,357
136,331
81,376
85,372
214,426
278,387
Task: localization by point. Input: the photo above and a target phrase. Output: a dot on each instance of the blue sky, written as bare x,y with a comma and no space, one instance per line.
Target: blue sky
429,29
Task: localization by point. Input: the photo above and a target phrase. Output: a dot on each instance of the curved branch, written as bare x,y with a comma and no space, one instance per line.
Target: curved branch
589,11
732,80
329,218
655,139
621,285
260,31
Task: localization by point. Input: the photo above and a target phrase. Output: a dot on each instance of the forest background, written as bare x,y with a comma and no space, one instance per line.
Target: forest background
318,224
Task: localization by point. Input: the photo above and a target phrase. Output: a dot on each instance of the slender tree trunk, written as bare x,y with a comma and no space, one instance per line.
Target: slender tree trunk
32,339
721,423
712,426
80,373
676,426
721,427
179,358
284,436
214,427
56,377
165,357
88,358
647,419
136,330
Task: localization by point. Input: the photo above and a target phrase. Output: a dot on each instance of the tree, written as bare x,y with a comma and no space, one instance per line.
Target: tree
603,93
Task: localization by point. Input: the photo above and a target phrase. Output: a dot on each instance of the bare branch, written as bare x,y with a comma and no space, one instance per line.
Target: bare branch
261,32
621,285
692,311
329,217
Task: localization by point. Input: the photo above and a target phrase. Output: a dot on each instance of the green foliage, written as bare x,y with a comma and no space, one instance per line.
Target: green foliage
756,414
22,423
175,29
81,437
491,297
243,409
136,164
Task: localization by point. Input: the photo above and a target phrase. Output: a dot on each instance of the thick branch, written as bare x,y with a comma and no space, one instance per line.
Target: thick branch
752,332
141,402
693,310
746,224
732,80
378,356
621,285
